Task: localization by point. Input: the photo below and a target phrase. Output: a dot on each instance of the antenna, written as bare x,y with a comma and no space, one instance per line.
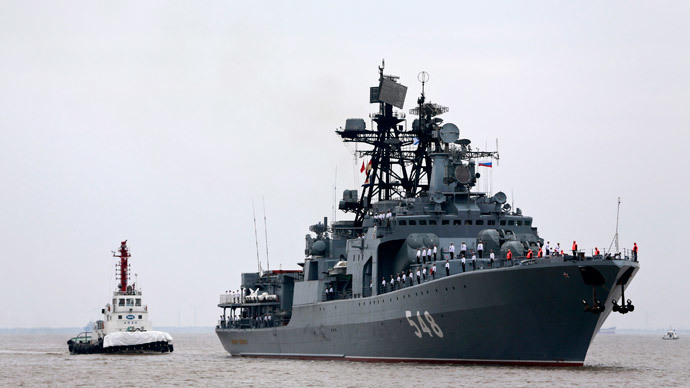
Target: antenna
615,236
335,182
268,264
423,77
498,158
256,239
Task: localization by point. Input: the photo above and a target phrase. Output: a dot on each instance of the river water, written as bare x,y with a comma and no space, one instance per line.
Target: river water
199,360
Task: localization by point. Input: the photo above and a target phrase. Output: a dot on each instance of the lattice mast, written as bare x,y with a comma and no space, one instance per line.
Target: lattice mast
398,159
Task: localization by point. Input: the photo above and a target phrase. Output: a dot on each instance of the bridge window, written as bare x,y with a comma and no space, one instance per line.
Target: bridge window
519,223
491,222
413,222
457,222
468,222
402,222
480,222
511,222
422,222
432,222
121,302
528,223
138,302
445,222
130,302
503,222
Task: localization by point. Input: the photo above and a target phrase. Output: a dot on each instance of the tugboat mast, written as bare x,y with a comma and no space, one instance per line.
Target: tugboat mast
123,266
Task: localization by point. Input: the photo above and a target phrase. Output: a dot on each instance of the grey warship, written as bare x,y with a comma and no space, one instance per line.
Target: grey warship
358,295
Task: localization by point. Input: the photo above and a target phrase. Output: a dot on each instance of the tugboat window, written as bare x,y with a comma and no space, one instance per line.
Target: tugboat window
491,222
511,222
468,222
528,223
422,222
413,222
503,222
139,316
402,222
121,302
432,222
138,302
457,222
519,223
480,222
130,302
119,317
445,222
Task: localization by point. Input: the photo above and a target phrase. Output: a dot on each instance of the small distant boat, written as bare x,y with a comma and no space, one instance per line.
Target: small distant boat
607,330
671,335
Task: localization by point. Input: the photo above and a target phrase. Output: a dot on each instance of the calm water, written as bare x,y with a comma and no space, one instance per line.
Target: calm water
199,360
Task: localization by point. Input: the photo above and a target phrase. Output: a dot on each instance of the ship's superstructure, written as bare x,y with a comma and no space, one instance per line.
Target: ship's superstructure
125,326
429,269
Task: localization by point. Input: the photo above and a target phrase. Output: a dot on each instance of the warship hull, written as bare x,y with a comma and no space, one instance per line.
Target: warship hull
521,315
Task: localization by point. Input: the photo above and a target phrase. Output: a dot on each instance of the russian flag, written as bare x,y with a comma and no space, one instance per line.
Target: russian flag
486,164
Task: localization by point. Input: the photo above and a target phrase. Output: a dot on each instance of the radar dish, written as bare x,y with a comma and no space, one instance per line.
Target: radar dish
449,133
506,207
462,174
463,142
500,197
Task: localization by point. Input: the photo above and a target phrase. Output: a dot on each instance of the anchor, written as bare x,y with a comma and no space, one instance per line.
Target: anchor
596,307
624,308
593,278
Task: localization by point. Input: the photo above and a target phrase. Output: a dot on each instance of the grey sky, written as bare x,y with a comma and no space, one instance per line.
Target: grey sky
159,122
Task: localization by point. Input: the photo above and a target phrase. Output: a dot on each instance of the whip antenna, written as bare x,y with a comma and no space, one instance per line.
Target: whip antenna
256,238
268,264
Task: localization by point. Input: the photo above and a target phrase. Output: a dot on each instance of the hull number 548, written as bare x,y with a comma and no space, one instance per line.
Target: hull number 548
419,329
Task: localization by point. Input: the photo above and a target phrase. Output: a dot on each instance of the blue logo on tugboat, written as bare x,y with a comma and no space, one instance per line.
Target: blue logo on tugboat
130,316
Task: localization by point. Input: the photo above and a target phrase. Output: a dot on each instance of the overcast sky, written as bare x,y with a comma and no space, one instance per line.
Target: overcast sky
160,122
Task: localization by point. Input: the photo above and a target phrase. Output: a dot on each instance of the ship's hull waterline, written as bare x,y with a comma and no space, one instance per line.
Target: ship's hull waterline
524,315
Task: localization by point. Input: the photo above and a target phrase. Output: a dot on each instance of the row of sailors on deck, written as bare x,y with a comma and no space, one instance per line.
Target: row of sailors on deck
263,320
383,218
235,296
407,279
430,253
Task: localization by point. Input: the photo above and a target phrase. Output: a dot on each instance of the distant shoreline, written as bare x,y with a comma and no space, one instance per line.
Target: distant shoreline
210,329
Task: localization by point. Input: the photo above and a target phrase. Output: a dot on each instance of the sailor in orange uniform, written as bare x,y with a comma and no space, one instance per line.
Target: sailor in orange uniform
574,249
